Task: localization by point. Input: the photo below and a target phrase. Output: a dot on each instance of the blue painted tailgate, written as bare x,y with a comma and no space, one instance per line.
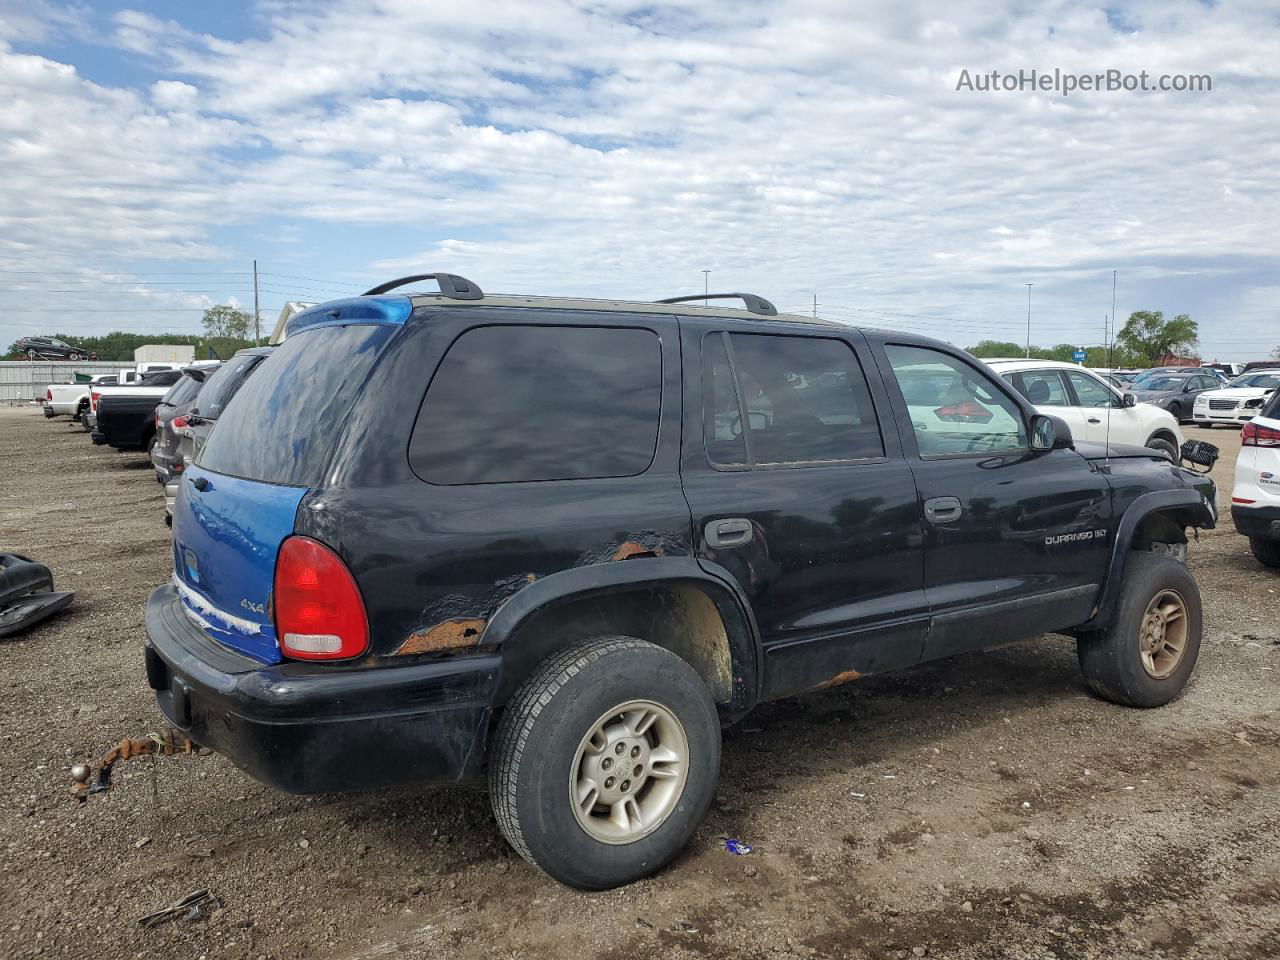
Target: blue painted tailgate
225,540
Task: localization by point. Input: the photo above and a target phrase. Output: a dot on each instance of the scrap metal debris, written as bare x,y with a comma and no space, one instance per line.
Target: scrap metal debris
197,904
171,742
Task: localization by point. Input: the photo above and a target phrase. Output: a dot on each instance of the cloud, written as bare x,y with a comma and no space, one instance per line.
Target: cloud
614,149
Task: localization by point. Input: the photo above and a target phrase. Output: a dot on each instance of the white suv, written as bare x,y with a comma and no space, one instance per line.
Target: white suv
1239,401
1255,501
1093,409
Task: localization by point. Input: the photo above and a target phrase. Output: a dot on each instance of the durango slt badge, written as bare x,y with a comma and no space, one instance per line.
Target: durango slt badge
1072,537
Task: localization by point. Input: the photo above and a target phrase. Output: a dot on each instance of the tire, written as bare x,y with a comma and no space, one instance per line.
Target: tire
1113,658
1204,426
74,356
1164,446
1266,551
1176,410
540,751
32,355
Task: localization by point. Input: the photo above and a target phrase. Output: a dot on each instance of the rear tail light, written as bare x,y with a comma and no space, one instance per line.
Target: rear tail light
966,412
179,424
93,401
48,395
319,613
1256,435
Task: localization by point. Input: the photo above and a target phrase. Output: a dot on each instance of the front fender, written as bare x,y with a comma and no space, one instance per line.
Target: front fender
1187,508
523,649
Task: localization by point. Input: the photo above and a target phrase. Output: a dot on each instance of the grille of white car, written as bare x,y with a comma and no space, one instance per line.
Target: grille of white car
1222,404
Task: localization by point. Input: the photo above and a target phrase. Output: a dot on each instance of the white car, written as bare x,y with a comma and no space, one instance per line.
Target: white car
1239,401
1255,501
1093,409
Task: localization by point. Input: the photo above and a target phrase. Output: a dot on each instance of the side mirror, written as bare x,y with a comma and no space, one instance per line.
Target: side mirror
1130,400
1049,433
1189,387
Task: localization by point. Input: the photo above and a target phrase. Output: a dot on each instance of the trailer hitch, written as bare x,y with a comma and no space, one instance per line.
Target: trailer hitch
152,745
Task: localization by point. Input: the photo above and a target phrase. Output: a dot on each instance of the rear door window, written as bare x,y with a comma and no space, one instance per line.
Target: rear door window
515,403
1042,387
280,426
805,400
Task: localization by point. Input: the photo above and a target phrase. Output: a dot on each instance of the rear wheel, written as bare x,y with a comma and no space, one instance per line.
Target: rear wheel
1144,658
1266,551
74,356
605,762
31,354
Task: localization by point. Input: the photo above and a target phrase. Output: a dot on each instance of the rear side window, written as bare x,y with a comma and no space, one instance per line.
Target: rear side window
518,403
805,400
281,425
221,385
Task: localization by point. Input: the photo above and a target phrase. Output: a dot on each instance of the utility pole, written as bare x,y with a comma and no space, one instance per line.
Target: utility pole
815,306
257,316
1029,286
706,286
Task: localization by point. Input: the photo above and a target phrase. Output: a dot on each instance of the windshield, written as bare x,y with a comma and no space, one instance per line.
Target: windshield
1159,382
1268,380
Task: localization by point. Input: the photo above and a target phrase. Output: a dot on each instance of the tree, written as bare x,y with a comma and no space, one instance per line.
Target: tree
997,348
226,321
1275,354
1149,337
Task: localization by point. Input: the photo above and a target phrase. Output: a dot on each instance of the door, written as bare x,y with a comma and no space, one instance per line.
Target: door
794,475
1104,414
1016,542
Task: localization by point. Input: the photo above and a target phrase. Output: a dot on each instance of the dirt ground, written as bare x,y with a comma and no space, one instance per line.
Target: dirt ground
985,806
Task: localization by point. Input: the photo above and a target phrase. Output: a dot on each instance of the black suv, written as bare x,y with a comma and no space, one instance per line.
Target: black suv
561,543
49,348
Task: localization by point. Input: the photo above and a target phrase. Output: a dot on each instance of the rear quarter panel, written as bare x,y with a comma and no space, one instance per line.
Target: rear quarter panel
435,562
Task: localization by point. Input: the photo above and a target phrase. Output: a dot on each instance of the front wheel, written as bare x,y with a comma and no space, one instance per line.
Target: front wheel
1266,551
1176,410
605,762
74,356
1145,656
32,354
1164,446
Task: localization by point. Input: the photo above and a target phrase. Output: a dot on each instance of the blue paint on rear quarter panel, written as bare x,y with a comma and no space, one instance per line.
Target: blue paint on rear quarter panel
225,541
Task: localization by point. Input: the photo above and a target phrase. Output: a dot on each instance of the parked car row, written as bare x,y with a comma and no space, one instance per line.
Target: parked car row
555,545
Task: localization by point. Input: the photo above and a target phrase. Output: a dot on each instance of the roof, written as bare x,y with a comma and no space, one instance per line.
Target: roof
1033,363
628,306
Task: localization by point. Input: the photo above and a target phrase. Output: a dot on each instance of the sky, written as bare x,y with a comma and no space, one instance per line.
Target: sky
150,151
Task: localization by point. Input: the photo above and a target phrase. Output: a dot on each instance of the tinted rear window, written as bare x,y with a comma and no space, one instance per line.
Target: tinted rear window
281,425
515,403
181,392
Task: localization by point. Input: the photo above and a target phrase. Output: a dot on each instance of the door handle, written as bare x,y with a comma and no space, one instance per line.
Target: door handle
942,509
732,532
1094,420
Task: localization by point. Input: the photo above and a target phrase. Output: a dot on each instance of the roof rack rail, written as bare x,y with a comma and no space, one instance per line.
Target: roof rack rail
753,303
451,285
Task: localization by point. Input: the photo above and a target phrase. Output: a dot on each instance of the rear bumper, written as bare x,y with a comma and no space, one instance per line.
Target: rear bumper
1257,521
306,728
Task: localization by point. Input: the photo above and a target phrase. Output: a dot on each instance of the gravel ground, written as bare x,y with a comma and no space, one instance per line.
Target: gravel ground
984,806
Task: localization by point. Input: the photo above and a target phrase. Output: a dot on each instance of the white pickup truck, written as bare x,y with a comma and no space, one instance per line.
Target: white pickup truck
72,399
